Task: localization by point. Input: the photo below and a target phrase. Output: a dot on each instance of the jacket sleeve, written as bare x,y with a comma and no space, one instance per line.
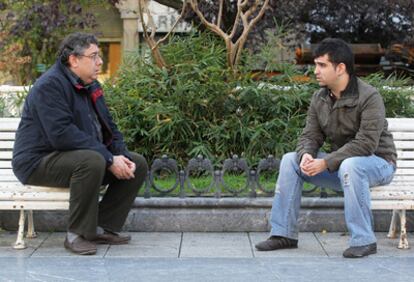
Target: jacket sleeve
52,109
117,146
367,138
312,137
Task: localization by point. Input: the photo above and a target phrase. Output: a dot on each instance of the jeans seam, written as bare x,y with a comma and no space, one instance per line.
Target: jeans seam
291,202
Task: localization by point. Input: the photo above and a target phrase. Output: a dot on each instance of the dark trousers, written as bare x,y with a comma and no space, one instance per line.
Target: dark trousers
84,171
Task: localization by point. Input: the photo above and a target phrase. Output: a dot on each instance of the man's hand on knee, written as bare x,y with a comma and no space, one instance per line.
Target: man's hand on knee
122,168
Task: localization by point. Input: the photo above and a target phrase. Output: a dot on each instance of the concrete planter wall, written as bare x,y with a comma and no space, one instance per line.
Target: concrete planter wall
212,215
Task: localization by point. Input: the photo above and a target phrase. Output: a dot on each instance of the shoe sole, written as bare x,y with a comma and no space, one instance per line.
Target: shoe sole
266,250
365,255
84,253
105,242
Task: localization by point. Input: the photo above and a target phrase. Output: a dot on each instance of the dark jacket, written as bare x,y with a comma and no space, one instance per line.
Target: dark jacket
353,125
58,115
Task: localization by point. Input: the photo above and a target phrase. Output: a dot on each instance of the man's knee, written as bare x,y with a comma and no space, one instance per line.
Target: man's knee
290,157
349,168
91,161
288,160
140,162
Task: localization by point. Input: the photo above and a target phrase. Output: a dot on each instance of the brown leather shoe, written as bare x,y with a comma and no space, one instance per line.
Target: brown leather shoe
277,243
112,238
81,246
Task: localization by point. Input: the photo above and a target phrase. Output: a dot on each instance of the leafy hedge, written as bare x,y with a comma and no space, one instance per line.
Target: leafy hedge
198,107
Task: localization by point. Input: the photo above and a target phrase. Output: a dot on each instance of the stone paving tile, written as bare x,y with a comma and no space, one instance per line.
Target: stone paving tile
378,269
53,247
388,247
211,244
189,270
80,268
308,246
12,268
8,238
336,243
149,244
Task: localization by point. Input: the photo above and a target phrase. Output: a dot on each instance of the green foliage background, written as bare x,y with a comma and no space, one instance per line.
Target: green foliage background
198,107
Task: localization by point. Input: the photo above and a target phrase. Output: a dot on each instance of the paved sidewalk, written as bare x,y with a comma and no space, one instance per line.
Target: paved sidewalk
189,256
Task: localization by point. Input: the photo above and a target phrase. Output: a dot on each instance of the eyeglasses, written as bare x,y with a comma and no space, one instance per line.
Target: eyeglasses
93,56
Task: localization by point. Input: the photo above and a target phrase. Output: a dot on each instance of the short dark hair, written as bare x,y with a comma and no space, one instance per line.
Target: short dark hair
75,44
338,51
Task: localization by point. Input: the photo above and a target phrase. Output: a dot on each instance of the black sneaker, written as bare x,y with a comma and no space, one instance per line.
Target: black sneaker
360,251
277,243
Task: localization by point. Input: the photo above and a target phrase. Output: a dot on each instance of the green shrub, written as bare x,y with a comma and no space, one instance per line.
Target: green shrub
198,107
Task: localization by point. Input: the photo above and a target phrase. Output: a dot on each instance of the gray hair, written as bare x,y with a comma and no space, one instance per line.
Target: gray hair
75,44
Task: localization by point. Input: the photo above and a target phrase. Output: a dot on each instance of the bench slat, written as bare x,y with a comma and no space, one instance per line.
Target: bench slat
8,178
405,155
400,124
404,171
403,178
401,135
34,196
404,145
392,196
6,155
392,205
34,205
9,124
6,171
405,164
18,187
5,164
7,135
6,144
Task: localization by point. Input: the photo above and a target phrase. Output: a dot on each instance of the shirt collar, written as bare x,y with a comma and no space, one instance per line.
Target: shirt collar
75,80
350,90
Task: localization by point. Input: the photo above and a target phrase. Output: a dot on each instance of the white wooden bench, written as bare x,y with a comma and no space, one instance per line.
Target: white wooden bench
399,194
25,198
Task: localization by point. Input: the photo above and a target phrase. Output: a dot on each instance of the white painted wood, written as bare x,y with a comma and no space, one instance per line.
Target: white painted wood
34,205
400,124
6,144
6,155
8,178
405,171
405,154
404,144
392,204
7,135
6,171
34,196
405,178
399,194
5,164
405,164
9,124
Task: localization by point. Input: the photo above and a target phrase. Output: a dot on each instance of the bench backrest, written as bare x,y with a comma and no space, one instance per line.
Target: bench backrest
401,128
8,127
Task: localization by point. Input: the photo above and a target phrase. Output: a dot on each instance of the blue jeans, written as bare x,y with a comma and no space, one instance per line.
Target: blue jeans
354,177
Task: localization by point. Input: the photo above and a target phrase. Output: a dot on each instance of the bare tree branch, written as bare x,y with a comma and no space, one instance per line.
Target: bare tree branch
183,10
211,26
220,13
245,12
